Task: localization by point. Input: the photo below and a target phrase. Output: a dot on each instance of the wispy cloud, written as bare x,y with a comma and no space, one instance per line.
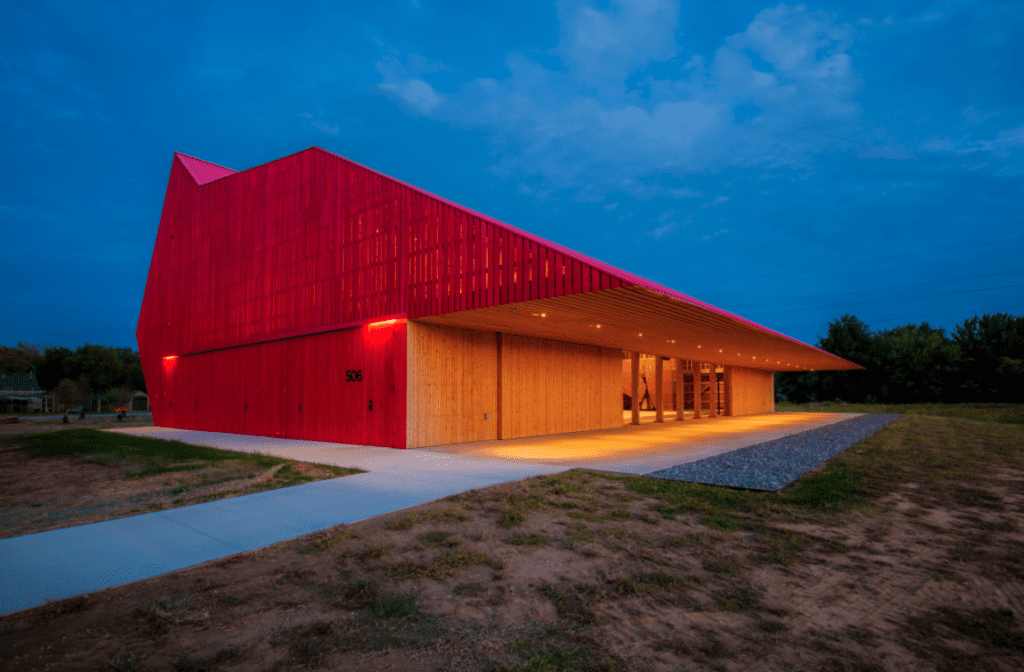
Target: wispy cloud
404,81
776,94
1000,145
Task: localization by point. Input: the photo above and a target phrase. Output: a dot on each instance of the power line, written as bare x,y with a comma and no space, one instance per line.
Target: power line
861,260
908,298
969,313
961,312
885,289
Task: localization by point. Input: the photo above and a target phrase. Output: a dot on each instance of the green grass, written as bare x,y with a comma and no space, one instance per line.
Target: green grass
149,456
442,567
937,453
395,606
527,540
990,412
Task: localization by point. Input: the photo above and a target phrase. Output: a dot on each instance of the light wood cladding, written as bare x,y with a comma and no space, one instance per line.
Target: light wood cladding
752,391
615,318
452,383
551,387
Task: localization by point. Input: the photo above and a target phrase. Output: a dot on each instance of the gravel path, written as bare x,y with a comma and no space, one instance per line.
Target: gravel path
773,465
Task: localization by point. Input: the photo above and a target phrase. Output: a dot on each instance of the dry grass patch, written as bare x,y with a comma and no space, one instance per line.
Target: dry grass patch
881,559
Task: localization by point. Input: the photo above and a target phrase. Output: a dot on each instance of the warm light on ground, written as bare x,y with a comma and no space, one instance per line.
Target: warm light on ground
647,441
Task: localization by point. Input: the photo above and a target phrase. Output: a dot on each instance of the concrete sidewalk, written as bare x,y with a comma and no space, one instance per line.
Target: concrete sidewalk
71,561
63,563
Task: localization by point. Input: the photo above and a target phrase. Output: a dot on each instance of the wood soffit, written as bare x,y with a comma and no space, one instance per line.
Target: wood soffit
641,320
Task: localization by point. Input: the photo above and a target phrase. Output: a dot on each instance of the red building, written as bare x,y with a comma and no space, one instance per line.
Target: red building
311,297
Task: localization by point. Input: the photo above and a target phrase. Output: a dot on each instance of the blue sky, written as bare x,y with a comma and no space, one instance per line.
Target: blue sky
788,162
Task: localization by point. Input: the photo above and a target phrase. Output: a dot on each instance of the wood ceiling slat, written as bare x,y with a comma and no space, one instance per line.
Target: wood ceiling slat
625,312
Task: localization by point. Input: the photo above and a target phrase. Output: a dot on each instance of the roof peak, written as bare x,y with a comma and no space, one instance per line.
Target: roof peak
203,172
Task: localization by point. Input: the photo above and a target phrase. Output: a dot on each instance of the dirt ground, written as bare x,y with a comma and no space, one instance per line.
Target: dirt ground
583,571
48,493
93,421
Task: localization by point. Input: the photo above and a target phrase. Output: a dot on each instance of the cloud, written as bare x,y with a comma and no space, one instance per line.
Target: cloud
330,129
668,223
684,192
601,48
776,94
1004,141
975,117
404,83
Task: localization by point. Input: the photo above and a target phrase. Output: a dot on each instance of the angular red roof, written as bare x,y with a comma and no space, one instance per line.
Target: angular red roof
314,242
203,172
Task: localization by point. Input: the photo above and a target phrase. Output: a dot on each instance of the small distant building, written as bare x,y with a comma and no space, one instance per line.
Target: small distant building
20,393
314,298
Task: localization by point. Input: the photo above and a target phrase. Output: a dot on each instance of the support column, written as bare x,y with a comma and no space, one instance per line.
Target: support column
680,390
727,382
499,415
716,390
634,387
659,384
697,402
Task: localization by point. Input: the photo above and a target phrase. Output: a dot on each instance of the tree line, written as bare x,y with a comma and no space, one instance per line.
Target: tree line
982,360
89,368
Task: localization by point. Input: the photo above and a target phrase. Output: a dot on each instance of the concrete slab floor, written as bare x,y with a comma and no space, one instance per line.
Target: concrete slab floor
641,449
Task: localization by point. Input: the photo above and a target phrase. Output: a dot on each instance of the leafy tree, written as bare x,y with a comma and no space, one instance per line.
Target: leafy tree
84,391
21,359
100,364
132,369
66,393
992,347
850,339
914,364
50,370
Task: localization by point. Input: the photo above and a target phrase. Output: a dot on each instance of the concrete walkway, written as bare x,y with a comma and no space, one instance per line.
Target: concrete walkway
63,563
71,561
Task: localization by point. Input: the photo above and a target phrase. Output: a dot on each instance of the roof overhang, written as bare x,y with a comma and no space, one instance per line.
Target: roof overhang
639,319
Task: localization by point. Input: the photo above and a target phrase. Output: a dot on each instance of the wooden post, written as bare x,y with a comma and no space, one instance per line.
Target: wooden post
697,401
716,390
728,389
659,385
499,416
680,390
634,387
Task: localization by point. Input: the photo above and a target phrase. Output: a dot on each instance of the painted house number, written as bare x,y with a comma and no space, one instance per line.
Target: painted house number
353,375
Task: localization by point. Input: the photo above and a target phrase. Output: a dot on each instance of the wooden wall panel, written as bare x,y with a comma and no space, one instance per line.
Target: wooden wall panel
753,391
452,384
551,387
293,388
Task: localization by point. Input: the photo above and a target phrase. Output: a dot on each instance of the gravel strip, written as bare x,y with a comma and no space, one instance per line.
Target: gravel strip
773,465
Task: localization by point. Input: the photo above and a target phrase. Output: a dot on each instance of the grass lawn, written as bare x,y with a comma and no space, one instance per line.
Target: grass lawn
75,476
904,552
1009,413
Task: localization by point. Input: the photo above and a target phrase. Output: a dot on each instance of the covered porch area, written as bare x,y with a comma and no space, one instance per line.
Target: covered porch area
648,447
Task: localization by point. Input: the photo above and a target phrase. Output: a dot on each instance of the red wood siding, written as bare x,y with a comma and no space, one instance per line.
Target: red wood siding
294,249
292,388
312,240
